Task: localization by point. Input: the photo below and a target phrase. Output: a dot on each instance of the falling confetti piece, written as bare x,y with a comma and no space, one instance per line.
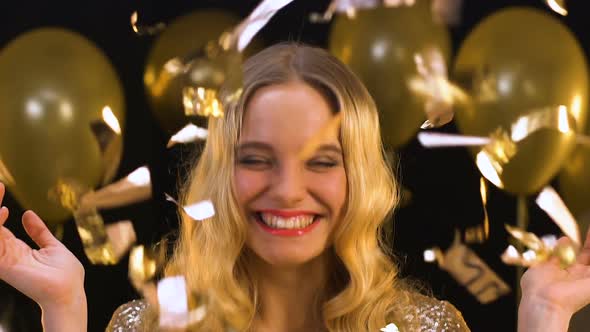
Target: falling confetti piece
145,29
540,250
429,256
432,83
530,240
121,235
259,17
330,129
188,134
350,8
554,206
389,328
203,102
173,303
480,233
557,6
135,187
197,211
503,146
472,272
172,295
435,140
142,266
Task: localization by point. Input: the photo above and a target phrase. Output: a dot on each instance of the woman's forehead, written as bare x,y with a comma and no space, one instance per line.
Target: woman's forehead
288,111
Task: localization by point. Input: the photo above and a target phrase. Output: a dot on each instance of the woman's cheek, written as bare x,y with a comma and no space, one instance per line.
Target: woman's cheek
248,183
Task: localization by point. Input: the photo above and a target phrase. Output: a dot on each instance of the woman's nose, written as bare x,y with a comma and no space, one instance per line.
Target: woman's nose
288,187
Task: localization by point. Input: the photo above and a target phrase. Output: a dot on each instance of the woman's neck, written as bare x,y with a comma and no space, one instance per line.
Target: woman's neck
288,296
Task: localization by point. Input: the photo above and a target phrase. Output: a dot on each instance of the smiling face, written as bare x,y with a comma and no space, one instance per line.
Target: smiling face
292,204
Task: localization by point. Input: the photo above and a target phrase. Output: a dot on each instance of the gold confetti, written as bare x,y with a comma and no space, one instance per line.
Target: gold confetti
143,267
97,246
108,135
472,272
350,8
102,245
480,233
121,235
432,82
145,29
530,240
206,73
202,102
553,205
502,145
540,250
135,187
218,64
330,129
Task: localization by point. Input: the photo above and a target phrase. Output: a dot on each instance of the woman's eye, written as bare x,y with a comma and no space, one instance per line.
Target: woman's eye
253,161
322,163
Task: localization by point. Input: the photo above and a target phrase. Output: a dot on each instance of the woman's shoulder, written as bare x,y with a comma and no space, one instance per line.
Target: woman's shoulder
433,315
129,317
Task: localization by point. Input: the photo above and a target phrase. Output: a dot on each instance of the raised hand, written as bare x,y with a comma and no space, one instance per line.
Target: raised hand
51,275
552,294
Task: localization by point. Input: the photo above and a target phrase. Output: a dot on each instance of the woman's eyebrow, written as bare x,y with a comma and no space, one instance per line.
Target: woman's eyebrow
254,145
329,147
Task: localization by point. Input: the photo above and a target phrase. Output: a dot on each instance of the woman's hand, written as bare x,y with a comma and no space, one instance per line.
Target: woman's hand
51,276
552,294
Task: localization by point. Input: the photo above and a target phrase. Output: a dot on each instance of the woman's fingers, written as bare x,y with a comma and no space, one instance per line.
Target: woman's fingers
3,209
37,230
584,256
3,215
2,190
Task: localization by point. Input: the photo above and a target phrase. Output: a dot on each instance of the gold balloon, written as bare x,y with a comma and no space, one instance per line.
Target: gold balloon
574,185
381,45
62,107
218,66
181,41
528,81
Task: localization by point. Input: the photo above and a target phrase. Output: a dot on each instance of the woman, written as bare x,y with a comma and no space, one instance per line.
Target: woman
294,245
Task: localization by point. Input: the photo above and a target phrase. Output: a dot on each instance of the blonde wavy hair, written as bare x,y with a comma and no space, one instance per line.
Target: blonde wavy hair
364,292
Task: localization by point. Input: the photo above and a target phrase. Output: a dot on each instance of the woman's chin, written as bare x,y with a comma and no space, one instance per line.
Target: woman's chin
287,260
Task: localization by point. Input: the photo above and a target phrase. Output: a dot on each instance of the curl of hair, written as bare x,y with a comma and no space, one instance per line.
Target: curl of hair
364,292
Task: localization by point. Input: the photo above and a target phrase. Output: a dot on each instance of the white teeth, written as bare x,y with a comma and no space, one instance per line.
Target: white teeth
274,221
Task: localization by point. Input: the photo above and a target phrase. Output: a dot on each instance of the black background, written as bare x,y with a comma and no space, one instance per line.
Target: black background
444,183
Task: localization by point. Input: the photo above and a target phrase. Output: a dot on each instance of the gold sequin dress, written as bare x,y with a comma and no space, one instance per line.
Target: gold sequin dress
430,314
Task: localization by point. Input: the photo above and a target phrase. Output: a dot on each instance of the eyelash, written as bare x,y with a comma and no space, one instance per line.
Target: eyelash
327,164
254,161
